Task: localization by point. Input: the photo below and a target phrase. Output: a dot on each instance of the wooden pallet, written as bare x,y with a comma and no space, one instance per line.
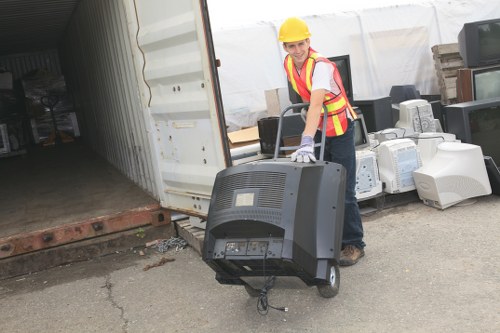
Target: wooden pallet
447,62
192,235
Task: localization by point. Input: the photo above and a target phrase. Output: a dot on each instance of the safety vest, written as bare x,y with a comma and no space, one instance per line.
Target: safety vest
336,105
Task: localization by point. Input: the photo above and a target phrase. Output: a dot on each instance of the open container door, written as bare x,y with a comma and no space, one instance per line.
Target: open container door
181,95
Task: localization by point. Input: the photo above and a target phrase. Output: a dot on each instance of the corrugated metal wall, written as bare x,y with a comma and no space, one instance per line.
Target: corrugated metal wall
97,62
20,64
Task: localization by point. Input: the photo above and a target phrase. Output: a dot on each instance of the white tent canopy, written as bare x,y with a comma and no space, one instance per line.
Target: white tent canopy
388,45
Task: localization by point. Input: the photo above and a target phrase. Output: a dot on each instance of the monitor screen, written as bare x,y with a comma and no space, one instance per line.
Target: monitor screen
476,122
486,83
479,43
361,139
485,130
489,39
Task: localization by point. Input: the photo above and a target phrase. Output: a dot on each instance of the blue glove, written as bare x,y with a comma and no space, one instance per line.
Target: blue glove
305,153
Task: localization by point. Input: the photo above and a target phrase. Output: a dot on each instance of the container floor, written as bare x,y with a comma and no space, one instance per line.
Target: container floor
54,186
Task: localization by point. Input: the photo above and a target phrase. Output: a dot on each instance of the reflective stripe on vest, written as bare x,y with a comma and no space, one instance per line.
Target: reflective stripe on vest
337,105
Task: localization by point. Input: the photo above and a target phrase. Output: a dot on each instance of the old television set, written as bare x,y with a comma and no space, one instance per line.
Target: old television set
278,218
397,159
479,43
361,139
377,112
416,116
343,64
456,173
478,83
476,122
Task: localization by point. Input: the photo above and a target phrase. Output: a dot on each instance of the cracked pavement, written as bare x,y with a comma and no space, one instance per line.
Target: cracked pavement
425,270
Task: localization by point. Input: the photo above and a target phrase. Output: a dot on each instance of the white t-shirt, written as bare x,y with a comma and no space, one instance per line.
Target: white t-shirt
323,78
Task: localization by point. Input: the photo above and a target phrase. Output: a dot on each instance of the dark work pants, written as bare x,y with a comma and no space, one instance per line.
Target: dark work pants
341,150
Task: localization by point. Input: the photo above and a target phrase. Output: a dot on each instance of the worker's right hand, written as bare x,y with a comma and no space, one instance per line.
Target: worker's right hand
305,153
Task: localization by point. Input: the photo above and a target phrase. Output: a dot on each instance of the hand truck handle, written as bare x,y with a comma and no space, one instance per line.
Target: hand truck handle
321,144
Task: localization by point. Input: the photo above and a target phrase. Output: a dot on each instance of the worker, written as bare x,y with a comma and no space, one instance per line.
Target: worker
318,82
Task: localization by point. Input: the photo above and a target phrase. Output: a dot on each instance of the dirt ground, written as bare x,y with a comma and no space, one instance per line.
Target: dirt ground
425,270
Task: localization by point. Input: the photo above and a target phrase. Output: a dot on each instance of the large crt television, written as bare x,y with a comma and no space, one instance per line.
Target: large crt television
476,122
479,43
276,218
361,138
478,83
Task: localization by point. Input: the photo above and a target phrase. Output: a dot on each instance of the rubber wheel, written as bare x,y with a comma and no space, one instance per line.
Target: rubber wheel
332,288
251,291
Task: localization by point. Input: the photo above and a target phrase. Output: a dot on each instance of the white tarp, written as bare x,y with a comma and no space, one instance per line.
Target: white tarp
387,46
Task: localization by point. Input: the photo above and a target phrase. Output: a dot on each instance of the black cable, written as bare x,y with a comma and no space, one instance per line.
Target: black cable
262,302
419,119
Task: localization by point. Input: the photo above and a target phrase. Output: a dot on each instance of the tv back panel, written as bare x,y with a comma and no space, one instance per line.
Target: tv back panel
368,183
389,134
428,142
456,173
403,93
416,116
397,159
377,113
284,215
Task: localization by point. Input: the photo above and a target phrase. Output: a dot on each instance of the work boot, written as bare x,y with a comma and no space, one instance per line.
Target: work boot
350,255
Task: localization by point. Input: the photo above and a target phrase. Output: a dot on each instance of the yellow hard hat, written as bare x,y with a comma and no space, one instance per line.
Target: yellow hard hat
293,30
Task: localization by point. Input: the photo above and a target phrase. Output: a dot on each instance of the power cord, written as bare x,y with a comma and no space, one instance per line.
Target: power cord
262,303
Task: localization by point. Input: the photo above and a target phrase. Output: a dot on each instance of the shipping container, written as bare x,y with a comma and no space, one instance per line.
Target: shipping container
145,133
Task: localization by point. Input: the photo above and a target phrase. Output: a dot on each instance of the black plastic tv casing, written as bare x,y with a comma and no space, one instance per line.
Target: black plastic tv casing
299,206
457,116
469,45
493,174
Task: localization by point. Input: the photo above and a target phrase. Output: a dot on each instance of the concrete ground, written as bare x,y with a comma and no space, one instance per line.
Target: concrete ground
425,270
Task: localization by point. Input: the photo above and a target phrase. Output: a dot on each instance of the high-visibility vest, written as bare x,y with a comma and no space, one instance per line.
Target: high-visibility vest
336,105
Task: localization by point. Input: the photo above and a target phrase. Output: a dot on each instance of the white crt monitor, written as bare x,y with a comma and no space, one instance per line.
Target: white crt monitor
416,115
368,182
456,173
397,159
428,143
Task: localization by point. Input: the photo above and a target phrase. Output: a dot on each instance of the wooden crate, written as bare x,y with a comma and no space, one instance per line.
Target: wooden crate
447,62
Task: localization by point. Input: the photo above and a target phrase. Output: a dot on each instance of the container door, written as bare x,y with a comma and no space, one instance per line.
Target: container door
182,101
